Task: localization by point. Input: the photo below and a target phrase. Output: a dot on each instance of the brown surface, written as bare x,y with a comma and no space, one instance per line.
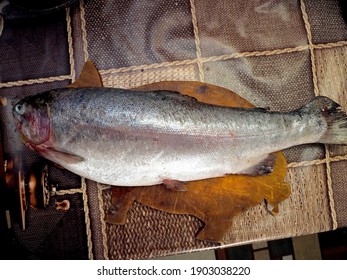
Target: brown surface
203,92
3,101
214,201
89,77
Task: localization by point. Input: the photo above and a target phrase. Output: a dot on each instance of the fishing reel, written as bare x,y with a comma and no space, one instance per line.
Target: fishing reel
31,189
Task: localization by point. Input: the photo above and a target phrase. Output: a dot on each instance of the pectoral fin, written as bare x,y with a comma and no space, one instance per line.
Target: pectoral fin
55,154
64,155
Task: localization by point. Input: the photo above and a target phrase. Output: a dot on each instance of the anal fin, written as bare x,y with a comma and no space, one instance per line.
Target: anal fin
174,185
261,166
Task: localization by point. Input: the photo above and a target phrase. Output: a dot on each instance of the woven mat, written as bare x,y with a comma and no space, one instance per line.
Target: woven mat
276,54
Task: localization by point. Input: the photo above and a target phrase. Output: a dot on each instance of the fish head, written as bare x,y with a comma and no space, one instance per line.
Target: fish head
31,117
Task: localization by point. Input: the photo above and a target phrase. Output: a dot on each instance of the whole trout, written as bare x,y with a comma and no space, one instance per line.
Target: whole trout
134,138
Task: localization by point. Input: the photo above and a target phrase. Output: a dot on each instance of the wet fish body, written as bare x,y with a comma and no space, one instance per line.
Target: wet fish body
134,138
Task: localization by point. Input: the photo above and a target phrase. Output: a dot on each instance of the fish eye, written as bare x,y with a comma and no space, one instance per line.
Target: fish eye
20,109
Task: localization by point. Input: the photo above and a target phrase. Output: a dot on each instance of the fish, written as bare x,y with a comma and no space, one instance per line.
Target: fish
135,138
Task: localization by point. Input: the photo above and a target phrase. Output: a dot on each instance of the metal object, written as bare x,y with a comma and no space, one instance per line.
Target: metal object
16,191
31,190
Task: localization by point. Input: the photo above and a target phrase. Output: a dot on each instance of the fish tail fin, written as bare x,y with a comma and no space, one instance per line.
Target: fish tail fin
333,118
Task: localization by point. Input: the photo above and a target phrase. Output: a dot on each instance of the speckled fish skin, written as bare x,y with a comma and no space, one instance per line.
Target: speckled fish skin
135,138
